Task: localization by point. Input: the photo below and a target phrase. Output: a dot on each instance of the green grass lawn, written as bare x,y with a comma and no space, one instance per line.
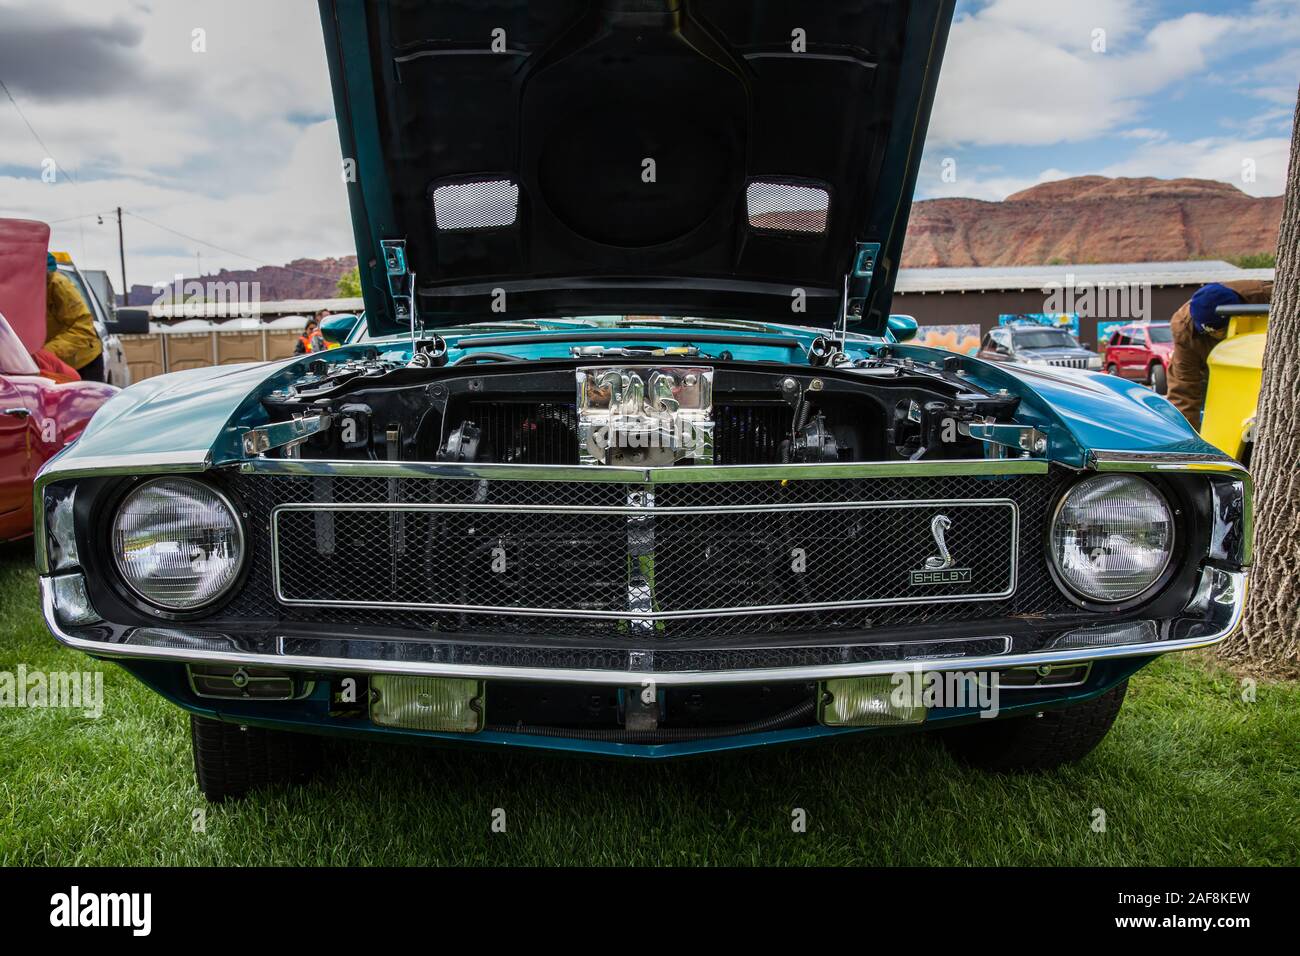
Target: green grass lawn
1189,775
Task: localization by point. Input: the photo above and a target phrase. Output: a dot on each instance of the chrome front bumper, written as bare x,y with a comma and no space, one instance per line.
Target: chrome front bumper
1212,615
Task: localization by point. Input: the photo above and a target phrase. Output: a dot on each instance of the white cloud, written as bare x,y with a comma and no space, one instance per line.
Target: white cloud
976,182
1274,80
1273,120
113,133
298,210
1174,49
226,145
1005,85
1219,158
1068,22
1144,133
1026,72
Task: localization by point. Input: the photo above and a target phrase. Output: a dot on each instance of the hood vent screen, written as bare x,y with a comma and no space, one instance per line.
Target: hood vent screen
787,207
479,205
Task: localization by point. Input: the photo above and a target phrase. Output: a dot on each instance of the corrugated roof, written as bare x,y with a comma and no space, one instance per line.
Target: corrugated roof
1015,278
212,310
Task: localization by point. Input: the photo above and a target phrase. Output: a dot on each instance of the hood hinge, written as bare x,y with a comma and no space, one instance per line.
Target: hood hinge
401,284
857,283
287,435
1020,438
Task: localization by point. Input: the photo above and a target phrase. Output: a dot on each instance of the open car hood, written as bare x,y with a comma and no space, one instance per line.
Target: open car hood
730,158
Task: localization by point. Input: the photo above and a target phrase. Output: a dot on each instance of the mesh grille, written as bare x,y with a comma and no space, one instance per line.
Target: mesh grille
593,561
787,207
482,205
655,564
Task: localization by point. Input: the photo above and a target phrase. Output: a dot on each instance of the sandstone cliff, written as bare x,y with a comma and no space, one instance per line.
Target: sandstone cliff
1094,219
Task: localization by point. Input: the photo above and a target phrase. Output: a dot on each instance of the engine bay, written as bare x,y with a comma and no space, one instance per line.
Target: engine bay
655,408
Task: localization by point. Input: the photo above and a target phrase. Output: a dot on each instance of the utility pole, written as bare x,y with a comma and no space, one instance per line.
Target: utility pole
121,253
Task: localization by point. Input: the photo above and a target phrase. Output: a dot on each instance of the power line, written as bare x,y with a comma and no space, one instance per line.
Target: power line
176,232
230,252
84,215
37,136
81,227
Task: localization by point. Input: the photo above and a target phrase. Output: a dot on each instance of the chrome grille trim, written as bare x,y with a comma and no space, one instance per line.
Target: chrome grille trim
674,475
640,609
1216,622
651,511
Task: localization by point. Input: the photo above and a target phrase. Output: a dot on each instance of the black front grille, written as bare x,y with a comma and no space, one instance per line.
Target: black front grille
592,563
641,565
533,433
750,434
546,433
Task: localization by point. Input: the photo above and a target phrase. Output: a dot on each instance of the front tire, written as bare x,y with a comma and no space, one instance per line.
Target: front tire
1043,741
230,760
1112,369
1159,379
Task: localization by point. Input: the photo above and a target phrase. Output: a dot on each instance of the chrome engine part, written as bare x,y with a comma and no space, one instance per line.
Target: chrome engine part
645,416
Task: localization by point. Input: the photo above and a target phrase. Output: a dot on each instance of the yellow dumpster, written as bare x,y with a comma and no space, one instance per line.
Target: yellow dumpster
1236,365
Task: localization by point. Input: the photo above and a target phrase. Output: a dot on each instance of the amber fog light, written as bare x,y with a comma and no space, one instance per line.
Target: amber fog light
177,543
236,682
883,701
1112,537
427,703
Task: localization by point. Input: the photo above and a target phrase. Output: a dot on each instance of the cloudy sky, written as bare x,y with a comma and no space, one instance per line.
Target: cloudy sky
230,153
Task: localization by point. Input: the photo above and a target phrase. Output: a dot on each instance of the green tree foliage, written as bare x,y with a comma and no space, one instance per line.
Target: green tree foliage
349,284
1255,260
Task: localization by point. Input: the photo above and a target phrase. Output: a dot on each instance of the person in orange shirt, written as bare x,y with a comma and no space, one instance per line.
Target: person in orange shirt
311,340
325,343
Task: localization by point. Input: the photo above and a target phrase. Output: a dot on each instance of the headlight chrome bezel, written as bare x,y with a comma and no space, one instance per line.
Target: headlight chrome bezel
151,604
1169,569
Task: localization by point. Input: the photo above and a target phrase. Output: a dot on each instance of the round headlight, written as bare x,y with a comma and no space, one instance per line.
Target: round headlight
178,543
1112,537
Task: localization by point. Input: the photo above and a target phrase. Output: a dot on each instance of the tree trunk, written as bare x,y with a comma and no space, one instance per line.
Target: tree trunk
1270,639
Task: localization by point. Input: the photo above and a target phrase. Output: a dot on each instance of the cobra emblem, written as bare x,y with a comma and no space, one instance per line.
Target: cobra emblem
938,526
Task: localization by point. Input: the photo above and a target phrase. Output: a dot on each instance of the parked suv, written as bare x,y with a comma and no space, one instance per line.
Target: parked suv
1141,352
1037,345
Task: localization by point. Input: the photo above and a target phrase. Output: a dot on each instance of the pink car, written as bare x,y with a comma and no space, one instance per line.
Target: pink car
1142,352
38,417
